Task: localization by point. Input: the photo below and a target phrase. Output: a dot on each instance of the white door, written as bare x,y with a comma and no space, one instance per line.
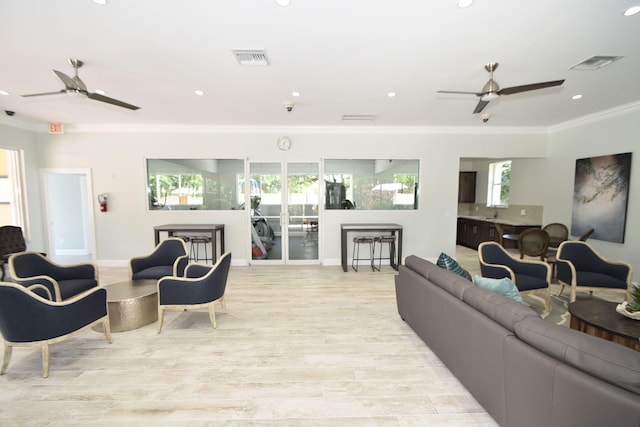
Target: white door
68,209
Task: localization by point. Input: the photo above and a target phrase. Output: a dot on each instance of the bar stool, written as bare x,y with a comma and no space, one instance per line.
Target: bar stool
356,251
194,253
390,239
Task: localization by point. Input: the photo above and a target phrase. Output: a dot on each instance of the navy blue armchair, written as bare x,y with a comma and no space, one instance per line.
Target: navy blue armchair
28,319
63,281
169,258
202,287
528,275
578,265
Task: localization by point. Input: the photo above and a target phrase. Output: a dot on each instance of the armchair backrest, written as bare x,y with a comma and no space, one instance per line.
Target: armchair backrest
493,253
585,258
217,275
27,317
11,240
168,251
30,264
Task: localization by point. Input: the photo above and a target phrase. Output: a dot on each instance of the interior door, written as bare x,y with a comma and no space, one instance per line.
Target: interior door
283,217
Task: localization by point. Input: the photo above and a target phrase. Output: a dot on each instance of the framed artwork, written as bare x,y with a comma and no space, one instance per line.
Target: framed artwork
600,195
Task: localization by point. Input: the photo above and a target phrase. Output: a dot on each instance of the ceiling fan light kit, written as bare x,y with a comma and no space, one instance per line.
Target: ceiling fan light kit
75,86
492,91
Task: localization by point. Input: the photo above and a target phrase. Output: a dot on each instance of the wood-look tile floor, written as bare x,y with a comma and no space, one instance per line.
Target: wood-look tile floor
300,346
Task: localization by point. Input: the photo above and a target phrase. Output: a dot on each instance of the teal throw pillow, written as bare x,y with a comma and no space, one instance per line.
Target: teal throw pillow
502,286
448,263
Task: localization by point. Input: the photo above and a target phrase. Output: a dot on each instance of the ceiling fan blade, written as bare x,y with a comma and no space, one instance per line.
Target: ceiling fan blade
102,98
69,83
533,86
45,93
480,106
464,93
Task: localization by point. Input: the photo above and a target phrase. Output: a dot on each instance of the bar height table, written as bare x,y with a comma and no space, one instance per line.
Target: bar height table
394,229
216,231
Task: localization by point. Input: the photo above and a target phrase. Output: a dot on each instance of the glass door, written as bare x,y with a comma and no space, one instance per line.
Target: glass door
284,217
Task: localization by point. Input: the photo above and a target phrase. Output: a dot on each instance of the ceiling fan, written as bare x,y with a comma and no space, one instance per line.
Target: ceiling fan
74,85
492,91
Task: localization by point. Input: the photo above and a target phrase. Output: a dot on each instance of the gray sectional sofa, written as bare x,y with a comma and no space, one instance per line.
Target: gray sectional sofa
523,370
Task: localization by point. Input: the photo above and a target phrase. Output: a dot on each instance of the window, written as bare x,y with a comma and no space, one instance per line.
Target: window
499,183
371,184
194,184
12,203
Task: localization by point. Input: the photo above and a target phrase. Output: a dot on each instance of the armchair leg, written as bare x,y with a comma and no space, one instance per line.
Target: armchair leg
6,359
561,290
223,304
572,298
160,318
106,327
212,316
45,360
547,302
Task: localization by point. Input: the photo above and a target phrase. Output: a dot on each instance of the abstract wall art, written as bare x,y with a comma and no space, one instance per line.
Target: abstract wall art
600,195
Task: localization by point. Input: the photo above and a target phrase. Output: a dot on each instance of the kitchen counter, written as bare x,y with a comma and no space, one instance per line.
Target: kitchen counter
520,223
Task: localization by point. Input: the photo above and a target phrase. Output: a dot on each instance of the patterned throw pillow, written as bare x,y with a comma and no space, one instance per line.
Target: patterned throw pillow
448,263
502,286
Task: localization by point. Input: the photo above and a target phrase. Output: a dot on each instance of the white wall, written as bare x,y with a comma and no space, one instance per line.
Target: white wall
15,138
117,160
612,134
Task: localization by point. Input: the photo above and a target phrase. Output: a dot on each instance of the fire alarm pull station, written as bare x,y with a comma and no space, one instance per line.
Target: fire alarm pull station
102,199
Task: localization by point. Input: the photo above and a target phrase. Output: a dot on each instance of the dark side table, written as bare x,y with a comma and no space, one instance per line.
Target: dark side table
599,318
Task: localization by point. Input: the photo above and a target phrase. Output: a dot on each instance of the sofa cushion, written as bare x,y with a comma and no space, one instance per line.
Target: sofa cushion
448,263
503,310
420,265
603,359
502,286
450,282
156,272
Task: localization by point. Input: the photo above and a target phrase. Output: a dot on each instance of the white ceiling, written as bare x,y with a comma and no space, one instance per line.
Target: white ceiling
344,56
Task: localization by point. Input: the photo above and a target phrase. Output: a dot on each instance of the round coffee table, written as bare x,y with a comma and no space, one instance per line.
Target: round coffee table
599,317
132,304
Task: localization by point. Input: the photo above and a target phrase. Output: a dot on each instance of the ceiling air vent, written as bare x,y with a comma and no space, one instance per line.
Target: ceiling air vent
359,117
596,62
251,57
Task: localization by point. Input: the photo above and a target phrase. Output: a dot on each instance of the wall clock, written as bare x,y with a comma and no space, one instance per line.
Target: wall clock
284,143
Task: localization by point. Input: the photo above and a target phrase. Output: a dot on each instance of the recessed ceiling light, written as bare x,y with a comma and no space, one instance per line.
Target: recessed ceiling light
101,92
576,96
295,93
199,92
4,92
283,2
100,2
632,11
391,94
464,3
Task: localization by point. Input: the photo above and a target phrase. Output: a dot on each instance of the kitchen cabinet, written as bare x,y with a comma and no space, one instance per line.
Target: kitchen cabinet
473,231
467,187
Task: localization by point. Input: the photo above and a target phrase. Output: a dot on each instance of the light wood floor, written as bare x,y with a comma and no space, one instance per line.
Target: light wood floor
300,346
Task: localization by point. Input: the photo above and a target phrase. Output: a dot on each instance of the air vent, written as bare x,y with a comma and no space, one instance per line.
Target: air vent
251,57
596,62
359,117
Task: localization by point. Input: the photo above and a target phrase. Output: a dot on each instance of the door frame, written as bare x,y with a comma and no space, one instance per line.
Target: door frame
284,213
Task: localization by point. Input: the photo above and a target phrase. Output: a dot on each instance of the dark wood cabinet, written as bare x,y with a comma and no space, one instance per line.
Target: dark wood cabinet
467,187
471,232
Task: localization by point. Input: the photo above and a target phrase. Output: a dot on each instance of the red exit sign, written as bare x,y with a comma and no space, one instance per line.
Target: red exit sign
56,128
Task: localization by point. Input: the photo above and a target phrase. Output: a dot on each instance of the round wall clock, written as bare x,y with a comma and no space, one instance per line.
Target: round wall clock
284,143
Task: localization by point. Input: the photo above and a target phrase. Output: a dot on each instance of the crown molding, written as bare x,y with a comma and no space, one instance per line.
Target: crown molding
620,110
